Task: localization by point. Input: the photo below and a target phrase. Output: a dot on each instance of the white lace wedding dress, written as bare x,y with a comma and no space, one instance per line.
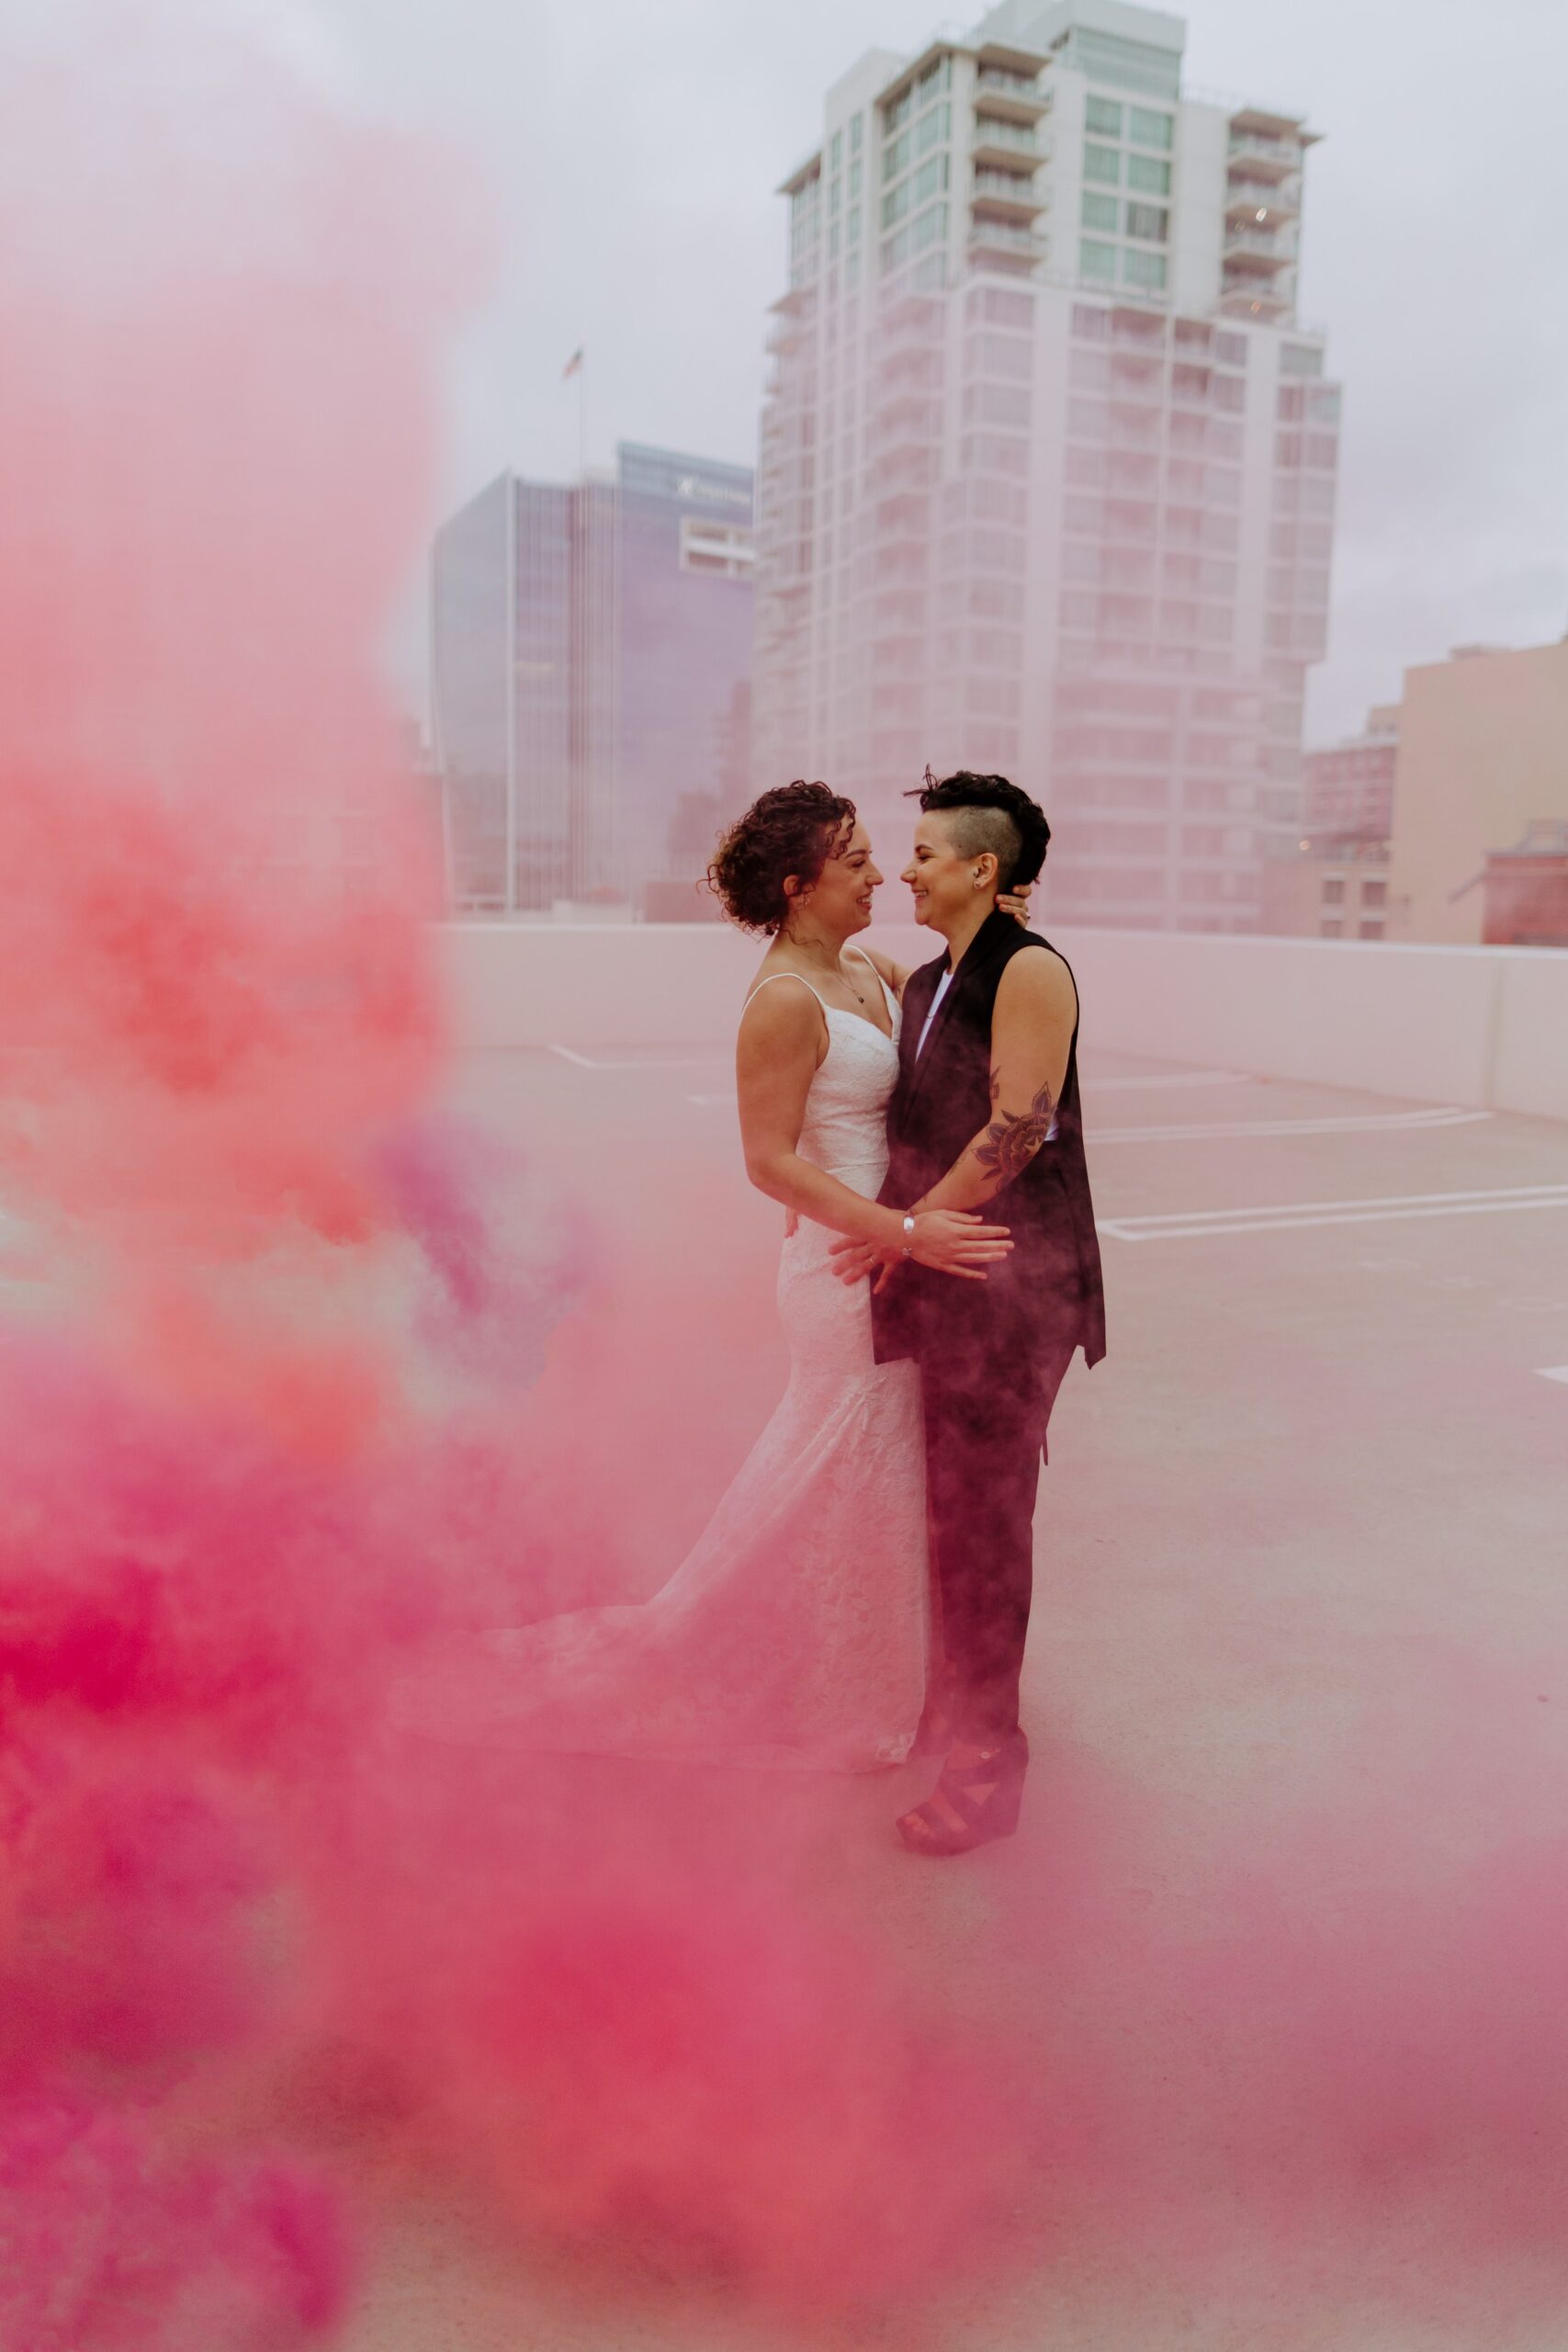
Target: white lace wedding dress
795,1632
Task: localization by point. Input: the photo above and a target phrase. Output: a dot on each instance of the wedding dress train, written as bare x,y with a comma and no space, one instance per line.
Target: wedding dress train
795,1632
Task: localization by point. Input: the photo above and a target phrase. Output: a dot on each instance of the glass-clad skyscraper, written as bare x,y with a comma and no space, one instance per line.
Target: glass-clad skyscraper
589,643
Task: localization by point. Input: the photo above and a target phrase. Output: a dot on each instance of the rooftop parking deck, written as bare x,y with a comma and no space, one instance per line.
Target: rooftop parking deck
1328,1447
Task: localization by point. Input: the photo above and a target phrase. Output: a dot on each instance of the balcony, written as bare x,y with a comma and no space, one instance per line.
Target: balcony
1010,97
797,303
912,322
906,421
1256,298
1000,242
1005,143
1259,200
1264,155
1010,196
1257,252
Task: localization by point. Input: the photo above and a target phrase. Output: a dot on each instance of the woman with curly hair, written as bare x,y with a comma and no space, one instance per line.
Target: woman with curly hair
796,1631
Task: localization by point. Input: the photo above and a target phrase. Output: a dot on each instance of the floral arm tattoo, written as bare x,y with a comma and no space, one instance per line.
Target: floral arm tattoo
1014,1137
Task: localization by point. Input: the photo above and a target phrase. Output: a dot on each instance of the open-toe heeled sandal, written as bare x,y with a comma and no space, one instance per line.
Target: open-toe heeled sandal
972,1803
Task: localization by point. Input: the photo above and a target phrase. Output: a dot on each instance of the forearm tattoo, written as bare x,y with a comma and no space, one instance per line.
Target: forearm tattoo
1014,1137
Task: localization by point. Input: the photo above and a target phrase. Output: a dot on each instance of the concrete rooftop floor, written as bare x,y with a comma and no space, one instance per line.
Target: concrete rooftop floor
1306,1525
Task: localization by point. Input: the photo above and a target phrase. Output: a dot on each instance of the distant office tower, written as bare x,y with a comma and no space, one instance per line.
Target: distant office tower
588,647
1047,462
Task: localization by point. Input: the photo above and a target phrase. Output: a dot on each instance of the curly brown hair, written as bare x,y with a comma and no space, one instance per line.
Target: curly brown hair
794,829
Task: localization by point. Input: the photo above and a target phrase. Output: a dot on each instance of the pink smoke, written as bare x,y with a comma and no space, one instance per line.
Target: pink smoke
304,1399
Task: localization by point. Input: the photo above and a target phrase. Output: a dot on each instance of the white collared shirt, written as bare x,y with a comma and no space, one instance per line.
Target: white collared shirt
941,988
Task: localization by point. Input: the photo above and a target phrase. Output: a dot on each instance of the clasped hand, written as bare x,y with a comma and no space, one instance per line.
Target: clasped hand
953,1241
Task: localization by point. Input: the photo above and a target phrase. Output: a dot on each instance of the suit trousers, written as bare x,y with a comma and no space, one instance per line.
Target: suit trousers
985,1429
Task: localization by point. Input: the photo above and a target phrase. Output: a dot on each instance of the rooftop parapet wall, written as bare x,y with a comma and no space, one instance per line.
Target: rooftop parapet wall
1484,1028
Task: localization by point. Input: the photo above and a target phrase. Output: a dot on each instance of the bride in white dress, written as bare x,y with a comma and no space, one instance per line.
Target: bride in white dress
794,1633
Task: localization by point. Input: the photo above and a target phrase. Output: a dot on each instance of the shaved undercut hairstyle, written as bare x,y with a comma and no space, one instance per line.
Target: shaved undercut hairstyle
989,813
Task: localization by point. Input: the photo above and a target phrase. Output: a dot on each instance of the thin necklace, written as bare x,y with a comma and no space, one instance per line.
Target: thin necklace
839,972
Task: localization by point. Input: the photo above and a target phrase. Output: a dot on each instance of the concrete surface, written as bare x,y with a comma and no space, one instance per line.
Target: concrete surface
1328,1444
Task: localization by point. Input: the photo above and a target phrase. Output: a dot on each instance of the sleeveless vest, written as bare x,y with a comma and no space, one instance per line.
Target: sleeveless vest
1049,1292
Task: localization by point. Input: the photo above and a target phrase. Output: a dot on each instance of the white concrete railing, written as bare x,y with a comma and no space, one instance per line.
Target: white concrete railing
1483,1028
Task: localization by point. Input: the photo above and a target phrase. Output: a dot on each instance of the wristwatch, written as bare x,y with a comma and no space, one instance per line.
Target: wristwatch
908,1236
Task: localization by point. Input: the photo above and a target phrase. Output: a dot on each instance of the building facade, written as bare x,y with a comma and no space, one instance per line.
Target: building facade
1048,464
589,645
1347,788
1333,884
1526,902
1483,775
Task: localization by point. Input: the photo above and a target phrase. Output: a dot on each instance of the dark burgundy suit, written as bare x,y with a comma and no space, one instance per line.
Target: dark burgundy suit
992,1354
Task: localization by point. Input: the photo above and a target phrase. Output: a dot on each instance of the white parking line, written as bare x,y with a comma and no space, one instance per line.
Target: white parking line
1363,1122
1177,1078
1220,1130
1290,1216
689,1061
1555,1372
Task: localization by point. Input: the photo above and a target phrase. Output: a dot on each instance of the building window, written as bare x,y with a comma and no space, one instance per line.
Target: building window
1373,930
931,127
1095,260
895,157
1103,116
929,178
1146,129
1148,174
1300,359
1333,890
1142,270
1230,350
855,170
857,133
1100,212
1330,928
1150,222
1091,323
930,226
1103,163
725,547
1374,894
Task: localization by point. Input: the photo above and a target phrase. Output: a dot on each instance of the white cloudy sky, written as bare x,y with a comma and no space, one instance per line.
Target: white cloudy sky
632,146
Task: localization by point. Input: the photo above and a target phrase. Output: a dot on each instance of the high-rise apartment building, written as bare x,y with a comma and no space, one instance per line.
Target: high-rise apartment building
1048,461
590,645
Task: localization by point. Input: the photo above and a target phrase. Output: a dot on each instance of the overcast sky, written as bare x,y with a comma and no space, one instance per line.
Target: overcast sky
632,147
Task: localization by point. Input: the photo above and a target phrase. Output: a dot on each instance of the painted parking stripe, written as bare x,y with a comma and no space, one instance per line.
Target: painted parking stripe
1174,1078
1363,1122
1292,1216
684,1061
